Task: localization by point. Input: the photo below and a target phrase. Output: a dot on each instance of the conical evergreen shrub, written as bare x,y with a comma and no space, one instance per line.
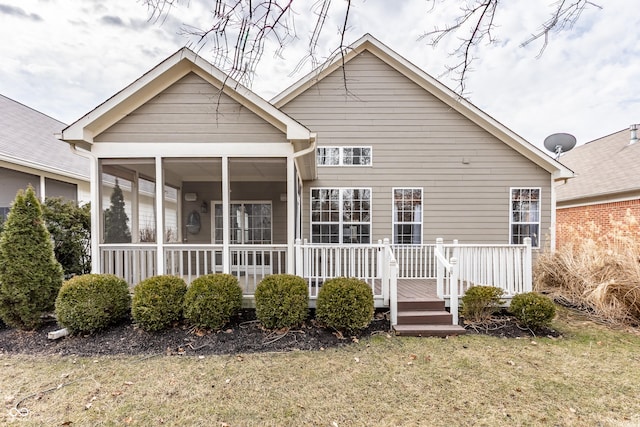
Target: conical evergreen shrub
30,276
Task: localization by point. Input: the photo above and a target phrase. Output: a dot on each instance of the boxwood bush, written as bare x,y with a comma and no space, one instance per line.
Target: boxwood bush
345,304
157,302
282,301
532,310
212,300
91,302
481,302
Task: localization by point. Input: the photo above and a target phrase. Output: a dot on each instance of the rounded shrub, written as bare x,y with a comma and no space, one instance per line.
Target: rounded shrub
157,302
532,310
211,300
282,301
91,302
481,302
345,304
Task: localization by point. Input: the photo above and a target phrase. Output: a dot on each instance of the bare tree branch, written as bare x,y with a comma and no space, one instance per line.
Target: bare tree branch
239,29
475,25
564,17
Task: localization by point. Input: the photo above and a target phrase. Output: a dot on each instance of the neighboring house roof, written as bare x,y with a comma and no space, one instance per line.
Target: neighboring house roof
606,169
27,139
433,86
161,77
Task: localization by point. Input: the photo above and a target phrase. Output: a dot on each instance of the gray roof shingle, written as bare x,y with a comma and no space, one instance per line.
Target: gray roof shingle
603,167
27,135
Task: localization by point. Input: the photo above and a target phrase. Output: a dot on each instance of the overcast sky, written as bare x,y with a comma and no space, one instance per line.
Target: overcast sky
64,57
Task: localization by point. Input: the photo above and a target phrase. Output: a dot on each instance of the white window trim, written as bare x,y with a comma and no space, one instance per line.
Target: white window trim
539,222
393,219
340,213
341,156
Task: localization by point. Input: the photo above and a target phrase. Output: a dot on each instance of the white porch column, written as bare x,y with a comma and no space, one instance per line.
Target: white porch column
96,207
160,267
291,213
226,221
135,215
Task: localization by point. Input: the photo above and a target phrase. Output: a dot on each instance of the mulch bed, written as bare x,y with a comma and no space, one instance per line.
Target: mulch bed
243,335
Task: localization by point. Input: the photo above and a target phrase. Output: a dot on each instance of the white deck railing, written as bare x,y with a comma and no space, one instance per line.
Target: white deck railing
318,263
380,265
192,261
133,263
505,266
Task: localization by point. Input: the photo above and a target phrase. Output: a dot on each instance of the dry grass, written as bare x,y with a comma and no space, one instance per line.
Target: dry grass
597,271
590,377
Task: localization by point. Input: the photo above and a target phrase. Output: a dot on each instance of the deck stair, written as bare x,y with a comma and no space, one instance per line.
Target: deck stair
425,317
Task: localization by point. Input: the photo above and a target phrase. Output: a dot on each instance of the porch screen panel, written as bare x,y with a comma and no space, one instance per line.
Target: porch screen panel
251,223
128,195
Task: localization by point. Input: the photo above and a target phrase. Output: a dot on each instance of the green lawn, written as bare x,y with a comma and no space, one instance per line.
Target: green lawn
591,376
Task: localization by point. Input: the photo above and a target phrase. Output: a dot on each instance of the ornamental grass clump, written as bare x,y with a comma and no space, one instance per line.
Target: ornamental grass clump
345,304
480,303
532,310
282,301
30,276
596,271
92,302
157,302
212,300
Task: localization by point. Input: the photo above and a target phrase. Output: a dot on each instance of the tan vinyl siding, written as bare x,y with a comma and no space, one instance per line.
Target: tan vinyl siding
191,110
417,141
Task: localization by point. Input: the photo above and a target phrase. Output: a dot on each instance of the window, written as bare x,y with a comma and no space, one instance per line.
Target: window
250,223
344,156
525,215
407,216
340,215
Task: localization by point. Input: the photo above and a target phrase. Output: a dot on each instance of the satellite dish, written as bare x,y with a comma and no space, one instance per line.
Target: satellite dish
559,143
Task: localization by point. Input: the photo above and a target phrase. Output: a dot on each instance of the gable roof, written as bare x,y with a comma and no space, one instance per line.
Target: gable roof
27,139
433,86
169,71
605,168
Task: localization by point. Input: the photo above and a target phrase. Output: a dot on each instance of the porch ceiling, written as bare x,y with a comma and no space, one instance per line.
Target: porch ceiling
239,170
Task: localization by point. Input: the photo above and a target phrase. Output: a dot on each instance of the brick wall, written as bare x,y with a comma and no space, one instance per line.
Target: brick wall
603,216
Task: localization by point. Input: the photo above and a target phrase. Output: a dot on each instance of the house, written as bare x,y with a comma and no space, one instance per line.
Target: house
30,154
606,187
315,180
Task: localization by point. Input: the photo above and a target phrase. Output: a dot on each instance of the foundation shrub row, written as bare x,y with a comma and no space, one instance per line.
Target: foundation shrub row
92,302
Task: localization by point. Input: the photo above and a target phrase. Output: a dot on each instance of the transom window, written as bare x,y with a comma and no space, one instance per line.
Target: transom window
344,156
407,216
524,215
340,215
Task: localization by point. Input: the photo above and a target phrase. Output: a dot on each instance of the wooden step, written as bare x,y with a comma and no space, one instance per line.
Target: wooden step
429,330
424,317
421,304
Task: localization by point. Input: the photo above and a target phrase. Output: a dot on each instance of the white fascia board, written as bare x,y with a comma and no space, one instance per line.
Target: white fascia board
185,149
164,75
38,168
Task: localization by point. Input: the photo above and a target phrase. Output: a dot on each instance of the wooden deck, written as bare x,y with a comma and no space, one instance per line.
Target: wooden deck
412,289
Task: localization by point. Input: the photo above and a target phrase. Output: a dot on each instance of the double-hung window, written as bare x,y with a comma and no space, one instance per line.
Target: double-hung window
407,216
344,156
340,215
524,215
